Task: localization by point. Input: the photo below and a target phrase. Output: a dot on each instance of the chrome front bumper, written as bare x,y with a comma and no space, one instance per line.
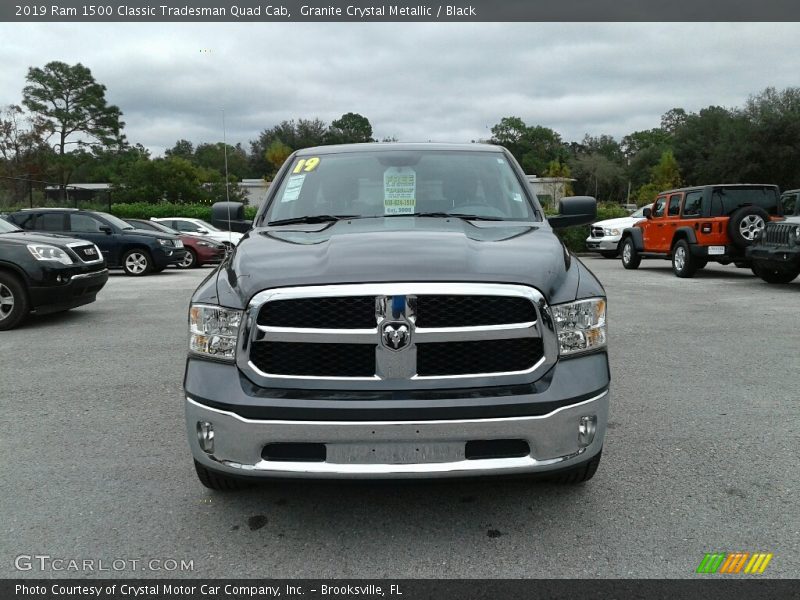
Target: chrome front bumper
553,439
607,243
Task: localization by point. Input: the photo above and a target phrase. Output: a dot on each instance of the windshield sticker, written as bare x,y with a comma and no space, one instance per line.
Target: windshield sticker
292,190
399,191
517,197
306,165
500,161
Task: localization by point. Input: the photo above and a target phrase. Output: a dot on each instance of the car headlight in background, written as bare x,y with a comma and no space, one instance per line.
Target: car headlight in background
47,252
213,331
581,325
797,235
178,244
612,231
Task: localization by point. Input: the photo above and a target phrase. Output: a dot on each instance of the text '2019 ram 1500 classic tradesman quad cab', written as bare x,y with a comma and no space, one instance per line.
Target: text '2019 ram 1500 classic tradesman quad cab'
399,310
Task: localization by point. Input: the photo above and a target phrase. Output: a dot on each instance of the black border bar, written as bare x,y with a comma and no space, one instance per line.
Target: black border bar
285,11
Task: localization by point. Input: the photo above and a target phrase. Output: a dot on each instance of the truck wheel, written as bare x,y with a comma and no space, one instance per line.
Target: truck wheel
218,481
630,257
136,262
578,474
773,275
683,263
744,223
189,261
13,301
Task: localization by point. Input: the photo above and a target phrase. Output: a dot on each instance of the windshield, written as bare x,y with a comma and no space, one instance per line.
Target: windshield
639,214
6,227
116,222
397,183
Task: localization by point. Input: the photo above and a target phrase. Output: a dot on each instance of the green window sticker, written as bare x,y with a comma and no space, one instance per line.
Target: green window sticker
399,191
292,190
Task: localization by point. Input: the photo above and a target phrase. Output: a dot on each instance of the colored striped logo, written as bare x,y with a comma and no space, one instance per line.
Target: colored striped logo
735,562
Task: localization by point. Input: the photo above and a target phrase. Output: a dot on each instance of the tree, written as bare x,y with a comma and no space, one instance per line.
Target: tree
303,133
350,128
560,169
664,176
714,146
23,153
598,175
277,153
214,156
533,147
72,106
181,149
173,179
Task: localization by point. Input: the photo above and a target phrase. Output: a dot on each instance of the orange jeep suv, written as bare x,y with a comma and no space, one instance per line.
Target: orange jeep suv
695,225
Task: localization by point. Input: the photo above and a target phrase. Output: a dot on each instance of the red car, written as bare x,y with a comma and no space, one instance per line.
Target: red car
200,250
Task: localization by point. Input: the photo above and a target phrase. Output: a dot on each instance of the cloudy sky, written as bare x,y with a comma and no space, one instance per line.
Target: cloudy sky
417,82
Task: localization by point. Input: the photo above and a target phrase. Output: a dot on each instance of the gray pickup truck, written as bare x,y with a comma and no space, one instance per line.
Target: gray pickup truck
399,310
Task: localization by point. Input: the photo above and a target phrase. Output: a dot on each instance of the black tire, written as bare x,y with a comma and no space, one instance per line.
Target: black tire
744,223
14,306
630,257
609,253
137,262
218,481
158,269
684,265
189,261
774,275
578,474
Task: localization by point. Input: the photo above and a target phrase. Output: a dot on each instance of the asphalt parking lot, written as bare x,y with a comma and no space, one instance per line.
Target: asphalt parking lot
701,453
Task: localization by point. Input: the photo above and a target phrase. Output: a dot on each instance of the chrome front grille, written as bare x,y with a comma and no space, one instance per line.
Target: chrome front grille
87,252
396,332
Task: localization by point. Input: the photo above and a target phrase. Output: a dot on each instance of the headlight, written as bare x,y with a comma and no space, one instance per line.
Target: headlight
206,244
611,231
47,252
581,325
178,244
165,242
213,331
797,235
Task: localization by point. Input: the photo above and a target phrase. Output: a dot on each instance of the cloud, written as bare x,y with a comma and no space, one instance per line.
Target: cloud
442,81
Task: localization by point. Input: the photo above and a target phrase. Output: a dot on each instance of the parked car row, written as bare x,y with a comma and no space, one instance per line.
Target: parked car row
748,225
54,259
137,246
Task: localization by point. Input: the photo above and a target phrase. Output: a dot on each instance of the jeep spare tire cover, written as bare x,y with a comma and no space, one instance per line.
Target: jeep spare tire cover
744,223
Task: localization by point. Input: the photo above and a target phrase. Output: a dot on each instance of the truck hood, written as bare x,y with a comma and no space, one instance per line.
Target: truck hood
399,249
618,223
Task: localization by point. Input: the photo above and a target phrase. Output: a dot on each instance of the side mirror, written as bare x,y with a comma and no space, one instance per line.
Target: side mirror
106,229
648,213
575,210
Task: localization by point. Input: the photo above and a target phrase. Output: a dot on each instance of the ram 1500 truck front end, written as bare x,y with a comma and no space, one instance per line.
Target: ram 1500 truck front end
345,339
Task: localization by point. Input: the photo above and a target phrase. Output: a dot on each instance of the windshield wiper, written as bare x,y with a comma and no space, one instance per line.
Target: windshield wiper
312,219
440,215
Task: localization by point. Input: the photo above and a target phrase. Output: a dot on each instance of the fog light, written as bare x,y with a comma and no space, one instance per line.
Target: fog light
205,435
587,427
